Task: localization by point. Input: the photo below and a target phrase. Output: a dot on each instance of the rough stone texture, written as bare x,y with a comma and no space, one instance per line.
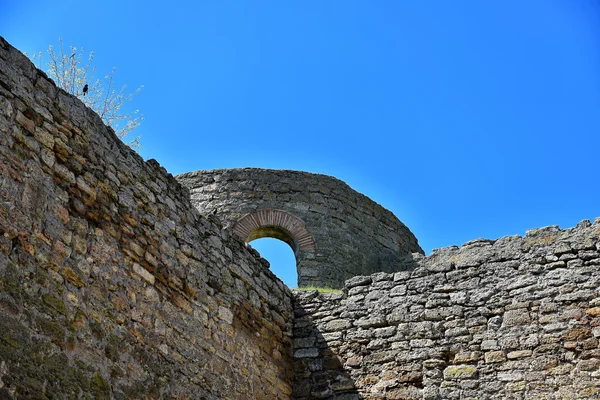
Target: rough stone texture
515,318
112,286
335,232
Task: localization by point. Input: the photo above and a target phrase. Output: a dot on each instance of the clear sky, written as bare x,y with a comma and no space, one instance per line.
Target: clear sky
467,119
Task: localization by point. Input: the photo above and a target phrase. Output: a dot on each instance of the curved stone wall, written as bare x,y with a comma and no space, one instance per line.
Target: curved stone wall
335,232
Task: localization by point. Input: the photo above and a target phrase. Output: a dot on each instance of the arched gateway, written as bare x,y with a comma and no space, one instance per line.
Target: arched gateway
335,232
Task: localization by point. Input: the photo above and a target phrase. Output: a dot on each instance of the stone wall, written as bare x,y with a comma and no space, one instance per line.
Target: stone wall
114,286
514,318
335,232
111,283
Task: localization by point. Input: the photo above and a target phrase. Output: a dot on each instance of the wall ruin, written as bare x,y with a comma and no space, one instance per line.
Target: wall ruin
514,318
335,232
114,286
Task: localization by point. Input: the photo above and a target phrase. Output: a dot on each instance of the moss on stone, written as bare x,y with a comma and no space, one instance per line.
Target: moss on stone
5,337
116,372
112,347
13,335
460,372
55,304
96,329
99,387
72,277
11,281
33,387
135,390
54,331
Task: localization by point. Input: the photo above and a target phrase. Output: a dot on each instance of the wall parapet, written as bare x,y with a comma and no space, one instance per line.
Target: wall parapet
515,317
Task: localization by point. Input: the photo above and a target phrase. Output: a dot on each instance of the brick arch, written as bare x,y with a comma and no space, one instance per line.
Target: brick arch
277,224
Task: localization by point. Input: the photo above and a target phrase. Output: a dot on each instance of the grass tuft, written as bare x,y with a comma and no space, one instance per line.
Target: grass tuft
320,289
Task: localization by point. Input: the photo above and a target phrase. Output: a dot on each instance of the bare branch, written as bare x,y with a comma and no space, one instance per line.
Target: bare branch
71,74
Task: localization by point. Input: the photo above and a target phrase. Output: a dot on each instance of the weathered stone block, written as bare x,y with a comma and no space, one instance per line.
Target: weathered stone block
519,354
467,357
460,372
306,353
516,318
148,277
495,356
337,325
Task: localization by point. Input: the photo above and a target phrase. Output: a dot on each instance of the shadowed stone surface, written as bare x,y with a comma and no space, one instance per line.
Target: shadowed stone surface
335,232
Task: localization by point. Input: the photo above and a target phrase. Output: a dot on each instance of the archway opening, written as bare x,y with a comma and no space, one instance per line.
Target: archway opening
281,257
275,232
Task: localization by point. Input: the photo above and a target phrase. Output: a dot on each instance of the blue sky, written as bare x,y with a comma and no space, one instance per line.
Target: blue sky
467,119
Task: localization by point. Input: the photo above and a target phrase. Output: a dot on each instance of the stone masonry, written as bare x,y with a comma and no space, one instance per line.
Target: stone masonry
515,318
335,232
114,286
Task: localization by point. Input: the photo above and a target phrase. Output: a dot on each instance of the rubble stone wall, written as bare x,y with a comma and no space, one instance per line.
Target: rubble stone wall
112,285
515,318
340,232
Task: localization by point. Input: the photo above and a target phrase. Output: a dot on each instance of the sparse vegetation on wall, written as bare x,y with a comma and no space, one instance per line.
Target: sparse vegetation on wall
75,73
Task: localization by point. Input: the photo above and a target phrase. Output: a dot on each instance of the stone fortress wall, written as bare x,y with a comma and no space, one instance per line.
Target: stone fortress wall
335,232
514,318
114,286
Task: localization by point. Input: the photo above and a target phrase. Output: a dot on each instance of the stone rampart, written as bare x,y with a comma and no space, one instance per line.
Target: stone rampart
335,232
515,318
112,285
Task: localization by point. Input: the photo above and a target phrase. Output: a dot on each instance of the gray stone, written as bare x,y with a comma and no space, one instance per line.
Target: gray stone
306,353
110,279
335,232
